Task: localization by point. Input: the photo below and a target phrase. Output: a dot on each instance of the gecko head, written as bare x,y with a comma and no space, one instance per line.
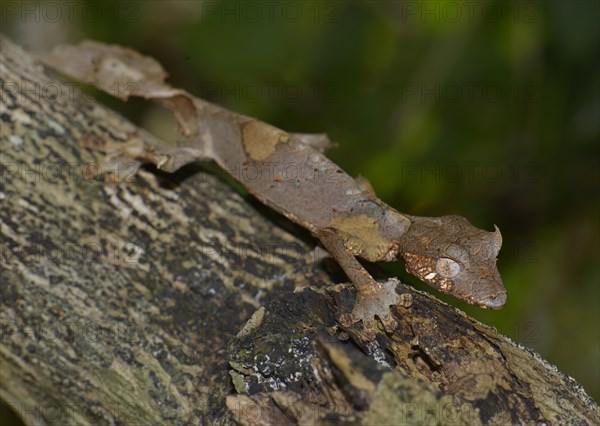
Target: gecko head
456,258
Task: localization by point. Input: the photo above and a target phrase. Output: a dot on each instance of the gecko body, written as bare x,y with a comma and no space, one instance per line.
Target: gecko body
289,173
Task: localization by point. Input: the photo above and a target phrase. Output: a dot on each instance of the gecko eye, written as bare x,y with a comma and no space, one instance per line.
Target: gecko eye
447,268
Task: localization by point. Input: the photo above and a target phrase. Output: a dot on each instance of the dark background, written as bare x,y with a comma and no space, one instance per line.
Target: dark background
485,109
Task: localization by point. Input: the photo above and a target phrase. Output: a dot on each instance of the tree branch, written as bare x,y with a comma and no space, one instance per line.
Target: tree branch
172,299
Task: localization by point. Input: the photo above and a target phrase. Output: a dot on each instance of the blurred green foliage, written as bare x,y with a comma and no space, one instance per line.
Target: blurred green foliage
490,110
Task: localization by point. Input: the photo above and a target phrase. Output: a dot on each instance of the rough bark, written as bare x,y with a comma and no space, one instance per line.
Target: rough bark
173,299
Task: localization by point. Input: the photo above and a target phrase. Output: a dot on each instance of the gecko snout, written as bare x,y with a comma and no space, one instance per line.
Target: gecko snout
493,302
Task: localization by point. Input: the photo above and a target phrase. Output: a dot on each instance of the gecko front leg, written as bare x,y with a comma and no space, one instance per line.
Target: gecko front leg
373,298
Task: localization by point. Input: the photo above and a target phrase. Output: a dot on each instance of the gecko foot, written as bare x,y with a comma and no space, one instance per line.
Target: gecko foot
375,303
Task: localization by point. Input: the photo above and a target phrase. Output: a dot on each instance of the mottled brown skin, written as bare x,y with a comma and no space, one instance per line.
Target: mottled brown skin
289,173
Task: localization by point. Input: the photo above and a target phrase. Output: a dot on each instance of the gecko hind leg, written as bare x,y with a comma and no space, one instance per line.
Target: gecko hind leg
373,298
142,148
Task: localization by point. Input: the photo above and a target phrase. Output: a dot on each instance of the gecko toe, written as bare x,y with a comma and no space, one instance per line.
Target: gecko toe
374,306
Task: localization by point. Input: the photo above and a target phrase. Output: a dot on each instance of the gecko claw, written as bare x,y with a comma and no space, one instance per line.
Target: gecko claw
374,304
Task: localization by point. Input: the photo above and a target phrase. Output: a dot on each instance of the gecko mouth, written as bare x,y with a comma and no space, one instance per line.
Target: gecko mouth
496,301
